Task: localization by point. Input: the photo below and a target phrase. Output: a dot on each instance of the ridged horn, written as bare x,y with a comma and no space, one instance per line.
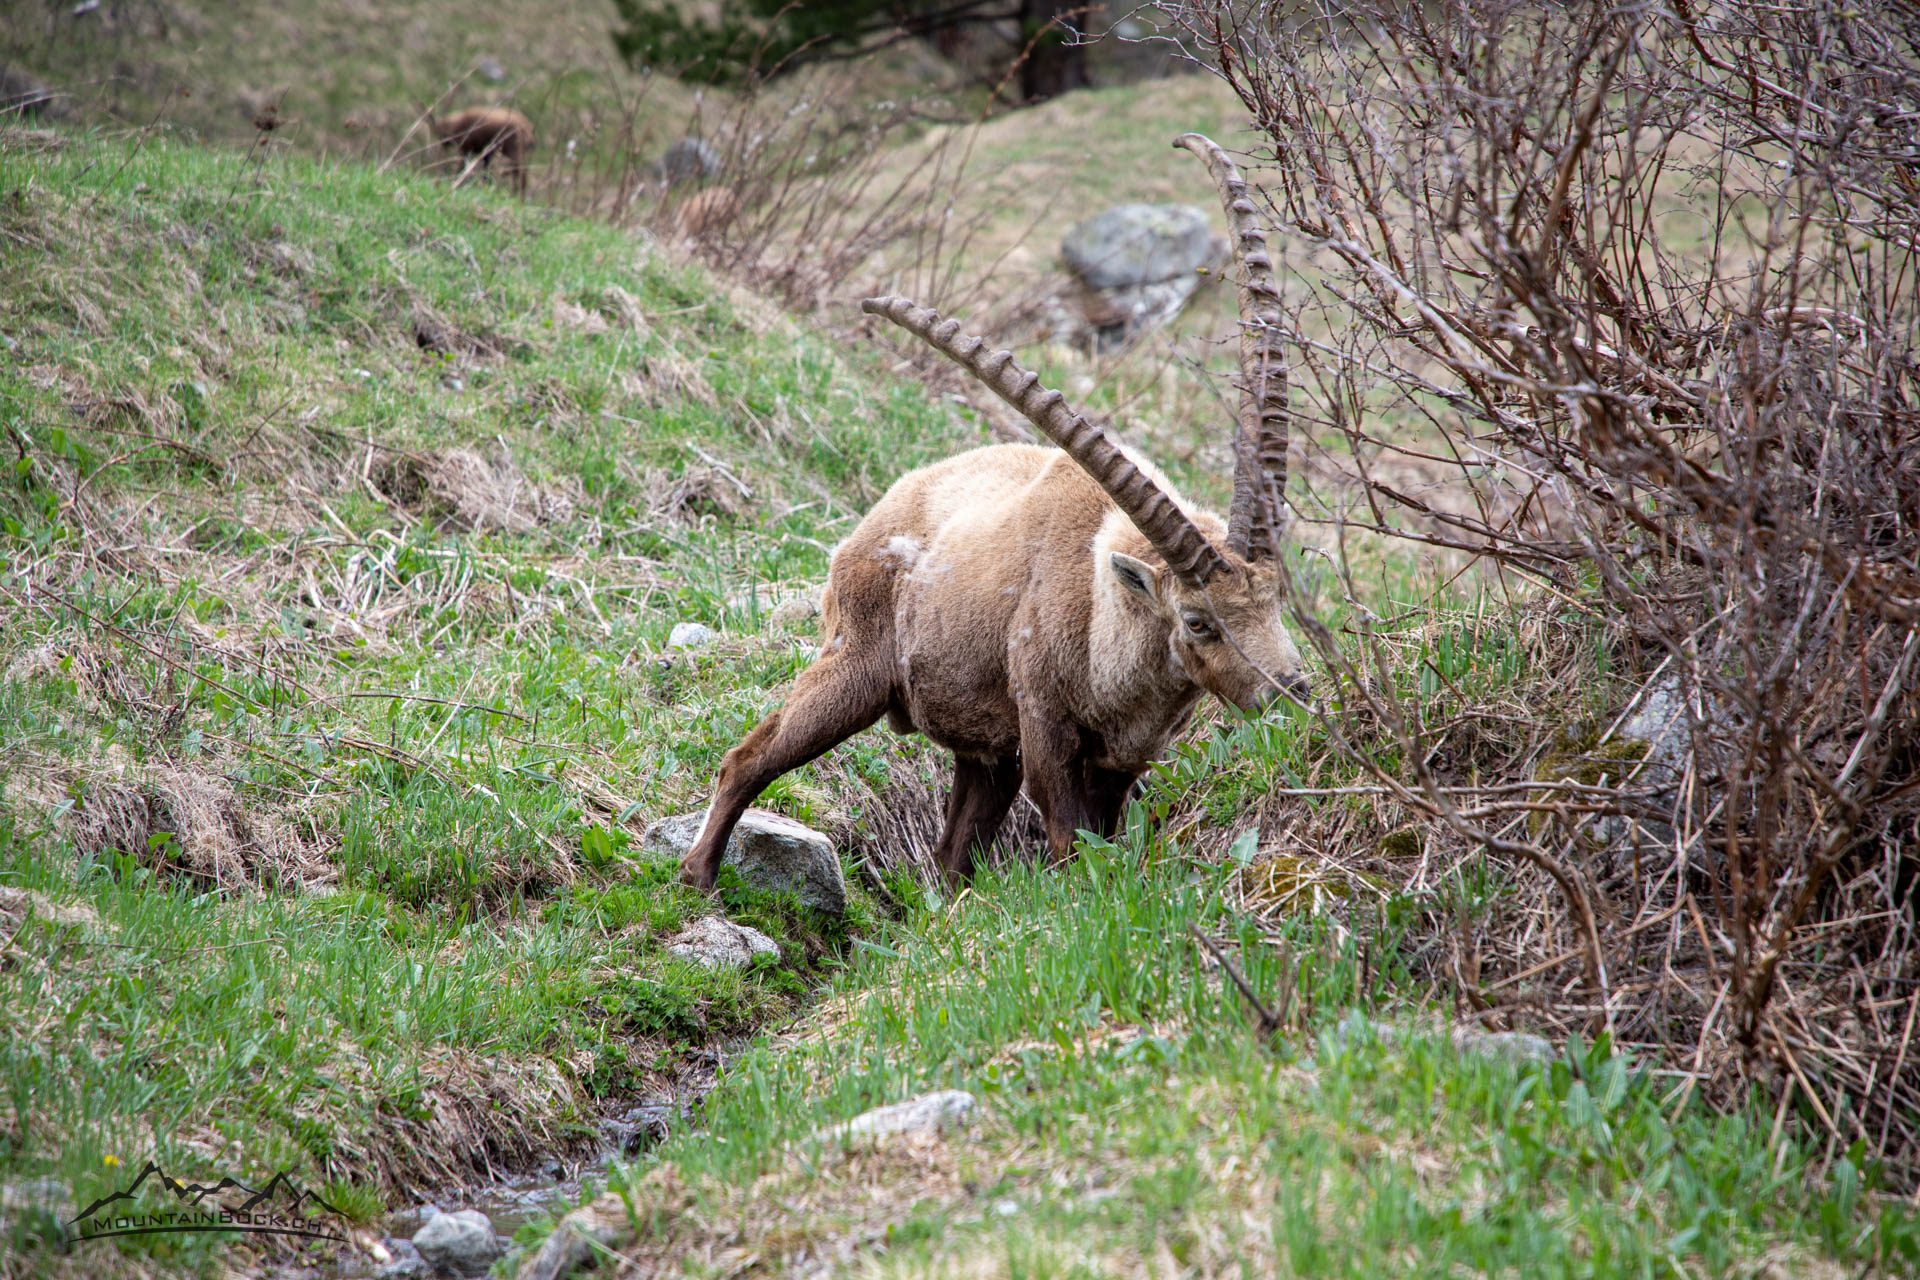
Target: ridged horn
1260,443
1186,550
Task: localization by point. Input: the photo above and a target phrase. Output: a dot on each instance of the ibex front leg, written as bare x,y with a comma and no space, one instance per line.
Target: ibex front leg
983,791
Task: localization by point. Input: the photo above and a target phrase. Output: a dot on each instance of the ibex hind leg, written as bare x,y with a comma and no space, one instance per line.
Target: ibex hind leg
1107,793
832,700
983,791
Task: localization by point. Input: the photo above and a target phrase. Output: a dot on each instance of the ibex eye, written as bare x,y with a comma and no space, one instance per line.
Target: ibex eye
1199,626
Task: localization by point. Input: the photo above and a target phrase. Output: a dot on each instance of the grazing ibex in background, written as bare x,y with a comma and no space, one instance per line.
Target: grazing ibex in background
487,132
1049,617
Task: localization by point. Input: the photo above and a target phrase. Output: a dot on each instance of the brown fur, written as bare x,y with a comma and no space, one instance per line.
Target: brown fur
706,213
487,132
1050,617
984,602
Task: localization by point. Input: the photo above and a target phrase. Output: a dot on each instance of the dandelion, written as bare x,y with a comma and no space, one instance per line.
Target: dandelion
112,1162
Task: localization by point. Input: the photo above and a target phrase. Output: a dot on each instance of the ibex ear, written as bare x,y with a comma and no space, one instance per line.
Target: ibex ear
1136,576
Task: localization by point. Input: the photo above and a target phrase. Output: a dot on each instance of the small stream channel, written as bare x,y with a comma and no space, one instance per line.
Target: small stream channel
512,1202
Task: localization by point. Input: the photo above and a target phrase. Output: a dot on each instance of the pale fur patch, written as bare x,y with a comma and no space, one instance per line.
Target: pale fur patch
902,548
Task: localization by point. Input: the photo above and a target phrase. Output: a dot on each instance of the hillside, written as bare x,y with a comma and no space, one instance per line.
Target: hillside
349,519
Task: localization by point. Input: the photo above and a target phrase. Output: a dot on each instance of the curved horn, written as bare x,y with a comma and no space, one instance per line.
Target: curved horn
1188,553
1260,446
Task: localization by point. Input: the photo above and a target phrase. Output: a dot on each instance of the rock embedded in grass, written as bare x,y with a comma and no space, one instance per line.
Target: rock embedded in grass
460,1243
771,853
794,610
715,942
690,635
1135,244
1134,266
579,1238
930,1113
1517,1047
403,1260
689,160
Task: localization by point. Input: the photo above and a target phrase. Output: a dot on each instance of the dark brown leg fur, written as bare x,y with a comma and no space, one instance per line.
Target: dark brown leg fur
834,699
982,793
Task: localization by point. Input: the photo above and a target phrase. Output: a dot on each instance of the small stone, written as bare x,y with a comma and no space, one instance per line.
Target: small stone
771,853
44,1195
462,1242
930,1113
9,342
715,942
22,94
490,70
405,1261
579,1238
1517,1047
691,635
689,160
794,610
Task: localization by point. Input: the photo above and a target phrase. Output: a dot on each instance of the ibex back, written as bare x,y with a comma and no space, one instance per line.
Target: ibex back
1051,616
481,133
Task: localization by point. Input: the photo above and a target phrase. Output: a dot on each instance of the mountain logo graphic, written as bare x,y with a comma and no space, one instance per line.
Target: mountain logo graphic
281,1208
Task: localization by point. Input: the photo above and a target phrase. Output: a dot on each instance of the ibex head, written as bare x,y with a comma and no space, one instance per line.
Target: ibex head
1219,597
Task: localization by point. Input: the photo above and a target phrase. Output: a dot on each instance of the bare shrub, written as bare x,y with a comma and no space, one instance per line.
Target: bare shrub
1639,283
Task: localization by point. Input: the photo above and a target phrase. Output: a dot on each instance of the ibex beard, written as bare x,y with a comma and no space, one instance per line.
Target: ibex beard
1051,616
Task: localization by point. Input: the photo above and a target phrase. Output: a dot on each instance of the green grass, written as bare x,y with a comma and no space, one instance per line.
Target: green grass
323,780
349,780
1132,1120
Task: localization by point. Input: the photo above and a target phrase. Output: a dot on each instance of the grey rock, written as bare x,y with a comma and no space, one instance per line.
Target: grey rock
580,1237
691,635
715,942
405,1261
490,70
929,1113
771,853
462,1243
1110,319
646,1125
1660,721
780,608
689,160
22,94
794,610
45,1203
1517,1047
1136,244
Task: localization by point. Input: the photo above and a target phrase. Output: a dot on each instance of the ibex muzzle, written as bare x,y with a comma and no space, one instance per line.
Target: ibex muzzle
1051,616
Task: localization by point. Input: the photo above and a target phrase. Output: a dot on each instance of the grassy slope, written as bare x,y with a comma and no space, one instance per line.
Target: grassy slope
348,77
422,940
400,934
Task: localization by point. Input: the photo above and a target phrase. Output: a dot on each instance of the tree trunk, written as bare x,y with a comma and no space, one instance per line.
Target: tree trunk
1056,63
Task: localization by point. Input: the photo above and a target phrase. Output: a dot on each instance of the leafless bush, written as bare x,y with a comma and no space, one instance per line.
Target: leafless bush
1637,285
818,206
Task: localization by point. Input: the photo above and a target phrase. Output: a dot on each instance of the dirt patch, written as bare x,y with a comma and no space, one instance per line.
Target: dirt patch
435,334
475,491
479,1116
186,821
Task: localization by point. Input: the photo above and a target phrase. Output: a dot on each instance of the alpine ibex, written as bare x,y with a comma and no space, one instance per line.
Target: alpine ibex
1049,616
486,132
